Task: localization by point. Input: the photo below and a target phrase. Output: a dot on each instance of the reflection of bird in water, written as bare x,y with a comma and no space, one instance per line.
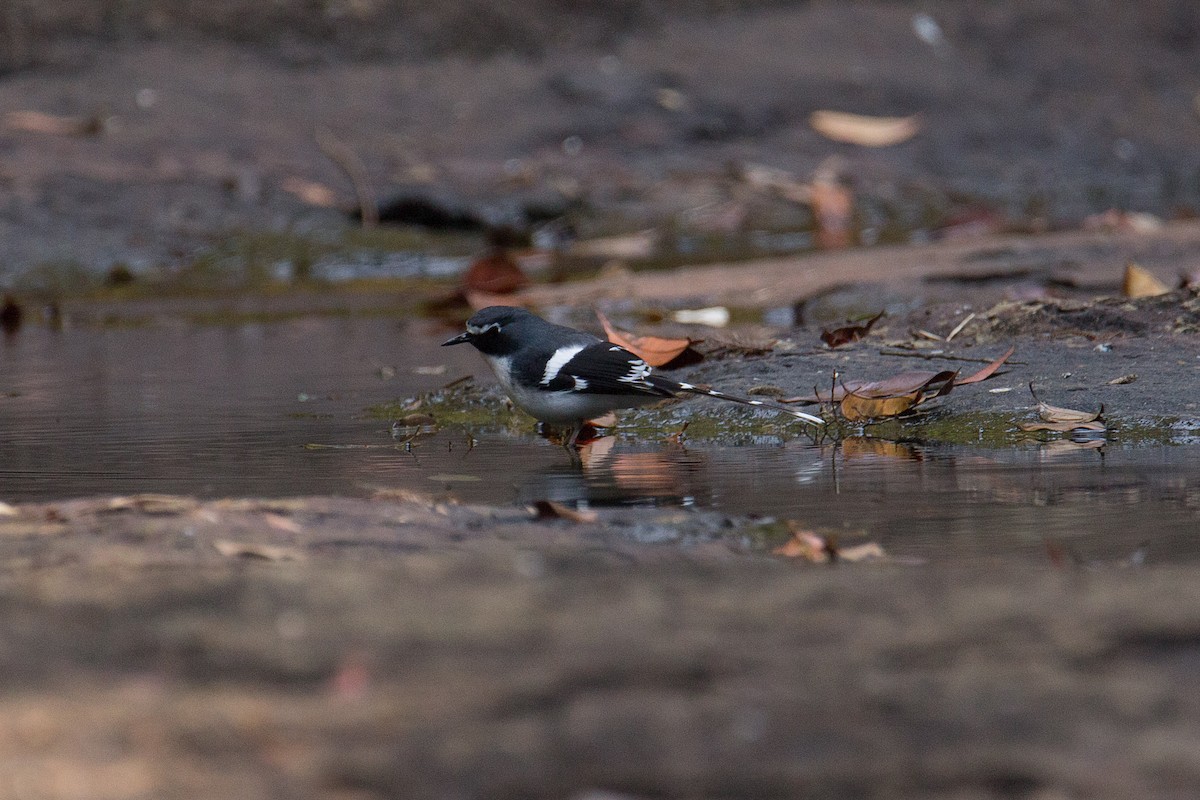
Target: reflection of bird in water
565,376
654,474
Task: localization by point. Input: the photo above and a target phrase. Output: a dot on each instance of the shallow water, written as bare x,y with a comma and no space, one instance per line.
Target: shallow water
277,409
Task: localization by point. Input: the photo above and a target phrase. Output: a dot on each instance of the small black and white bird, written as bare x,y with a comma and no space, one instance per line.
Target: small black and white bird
564,376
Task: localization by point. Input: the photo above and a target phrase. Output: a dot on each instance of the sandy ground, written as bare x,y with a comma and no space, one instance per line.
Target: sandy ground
334,648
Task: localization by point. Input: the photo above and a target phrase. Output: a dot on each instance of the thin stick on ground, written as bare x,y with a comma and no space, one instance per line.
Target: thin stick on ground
341,154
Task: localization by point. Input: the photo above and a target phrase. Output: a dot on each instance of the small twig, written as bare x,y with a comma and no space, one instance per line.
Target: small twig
958,328
930,356
341,154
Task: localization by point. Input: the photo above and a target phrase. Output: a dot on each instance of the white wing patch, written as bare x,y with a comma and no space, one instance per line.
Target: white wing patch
580,383
559,360
638,372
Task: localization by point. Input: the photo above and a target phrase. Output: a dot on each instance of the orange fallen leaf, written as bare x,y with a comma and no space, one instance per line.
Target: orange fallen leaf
833,205
806,545
1140,282
654,350
549,509
860,129
495,273
849,333
857,408
893,396
987,371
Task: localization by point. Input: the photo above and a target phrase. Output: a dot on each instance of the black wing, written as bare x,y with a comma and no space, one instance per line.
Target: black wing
606,368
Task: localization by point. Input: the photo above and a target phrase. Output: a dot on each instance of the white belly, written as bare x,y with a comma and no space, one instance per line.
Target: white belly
566,406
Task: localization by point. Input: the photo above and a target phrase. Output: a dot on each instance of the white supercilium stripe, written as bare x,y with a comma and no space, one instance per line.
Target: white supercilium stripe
557,361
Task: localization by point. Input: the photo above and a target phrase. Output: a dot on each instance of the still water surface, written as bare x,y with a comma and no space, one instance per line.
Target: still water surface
236,411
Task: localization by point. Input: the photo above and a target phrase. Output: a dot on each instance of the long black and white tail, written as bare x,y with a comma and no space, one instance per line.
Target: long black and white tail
693,389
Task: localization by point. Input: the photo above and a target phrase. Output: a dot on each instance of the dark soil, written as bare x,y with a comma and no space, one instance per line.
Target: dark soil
197,122
322,647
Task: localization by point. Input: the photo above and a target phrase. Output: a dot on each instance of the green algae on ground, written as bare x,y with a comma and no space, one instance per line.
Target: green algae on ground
487,409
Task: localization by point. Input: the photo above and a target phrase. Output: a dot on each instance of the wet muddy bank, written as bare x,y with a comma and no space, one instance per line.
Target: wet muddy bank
166,133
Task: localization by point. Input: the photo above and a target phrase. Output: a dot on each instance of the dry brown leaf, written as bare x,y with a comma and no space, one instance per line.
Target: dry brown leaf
1063,420
860,129
986,372
1059,414
806,545
833,206
608,420
311,192
39,122
901,383
549,509
495,273
849,333
165,504
266,552
1140,282
631,247
857,408
654,350
1062,427
867,551
281,523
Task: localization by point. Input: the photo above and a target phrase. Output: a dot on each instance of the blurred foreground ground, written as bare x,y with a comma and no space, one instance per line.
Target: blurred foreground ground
160,647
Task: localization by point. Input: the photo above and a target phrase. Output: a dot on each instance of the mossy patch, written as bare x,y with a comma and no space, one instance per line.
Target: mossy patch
488,410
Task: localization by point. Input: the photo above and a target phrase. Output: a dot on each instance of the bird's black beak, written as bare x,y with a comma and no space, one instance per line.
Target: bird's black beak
460,339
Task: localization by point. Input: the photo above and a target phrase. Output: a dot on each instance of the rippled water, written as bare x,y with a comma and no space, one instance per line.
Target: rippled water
277,409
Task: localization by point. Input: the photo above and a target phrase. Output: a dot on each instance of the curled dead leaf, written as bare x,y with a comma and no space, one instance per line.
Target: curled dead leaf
806,545
986,372
654,350
1051,413
1062,427
1139,282
863,130
857,408
849,333
264,552
901,383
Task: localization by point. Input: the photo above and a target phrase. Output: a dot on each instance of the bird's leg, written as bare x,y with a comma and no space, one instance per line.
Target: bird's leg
572,437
